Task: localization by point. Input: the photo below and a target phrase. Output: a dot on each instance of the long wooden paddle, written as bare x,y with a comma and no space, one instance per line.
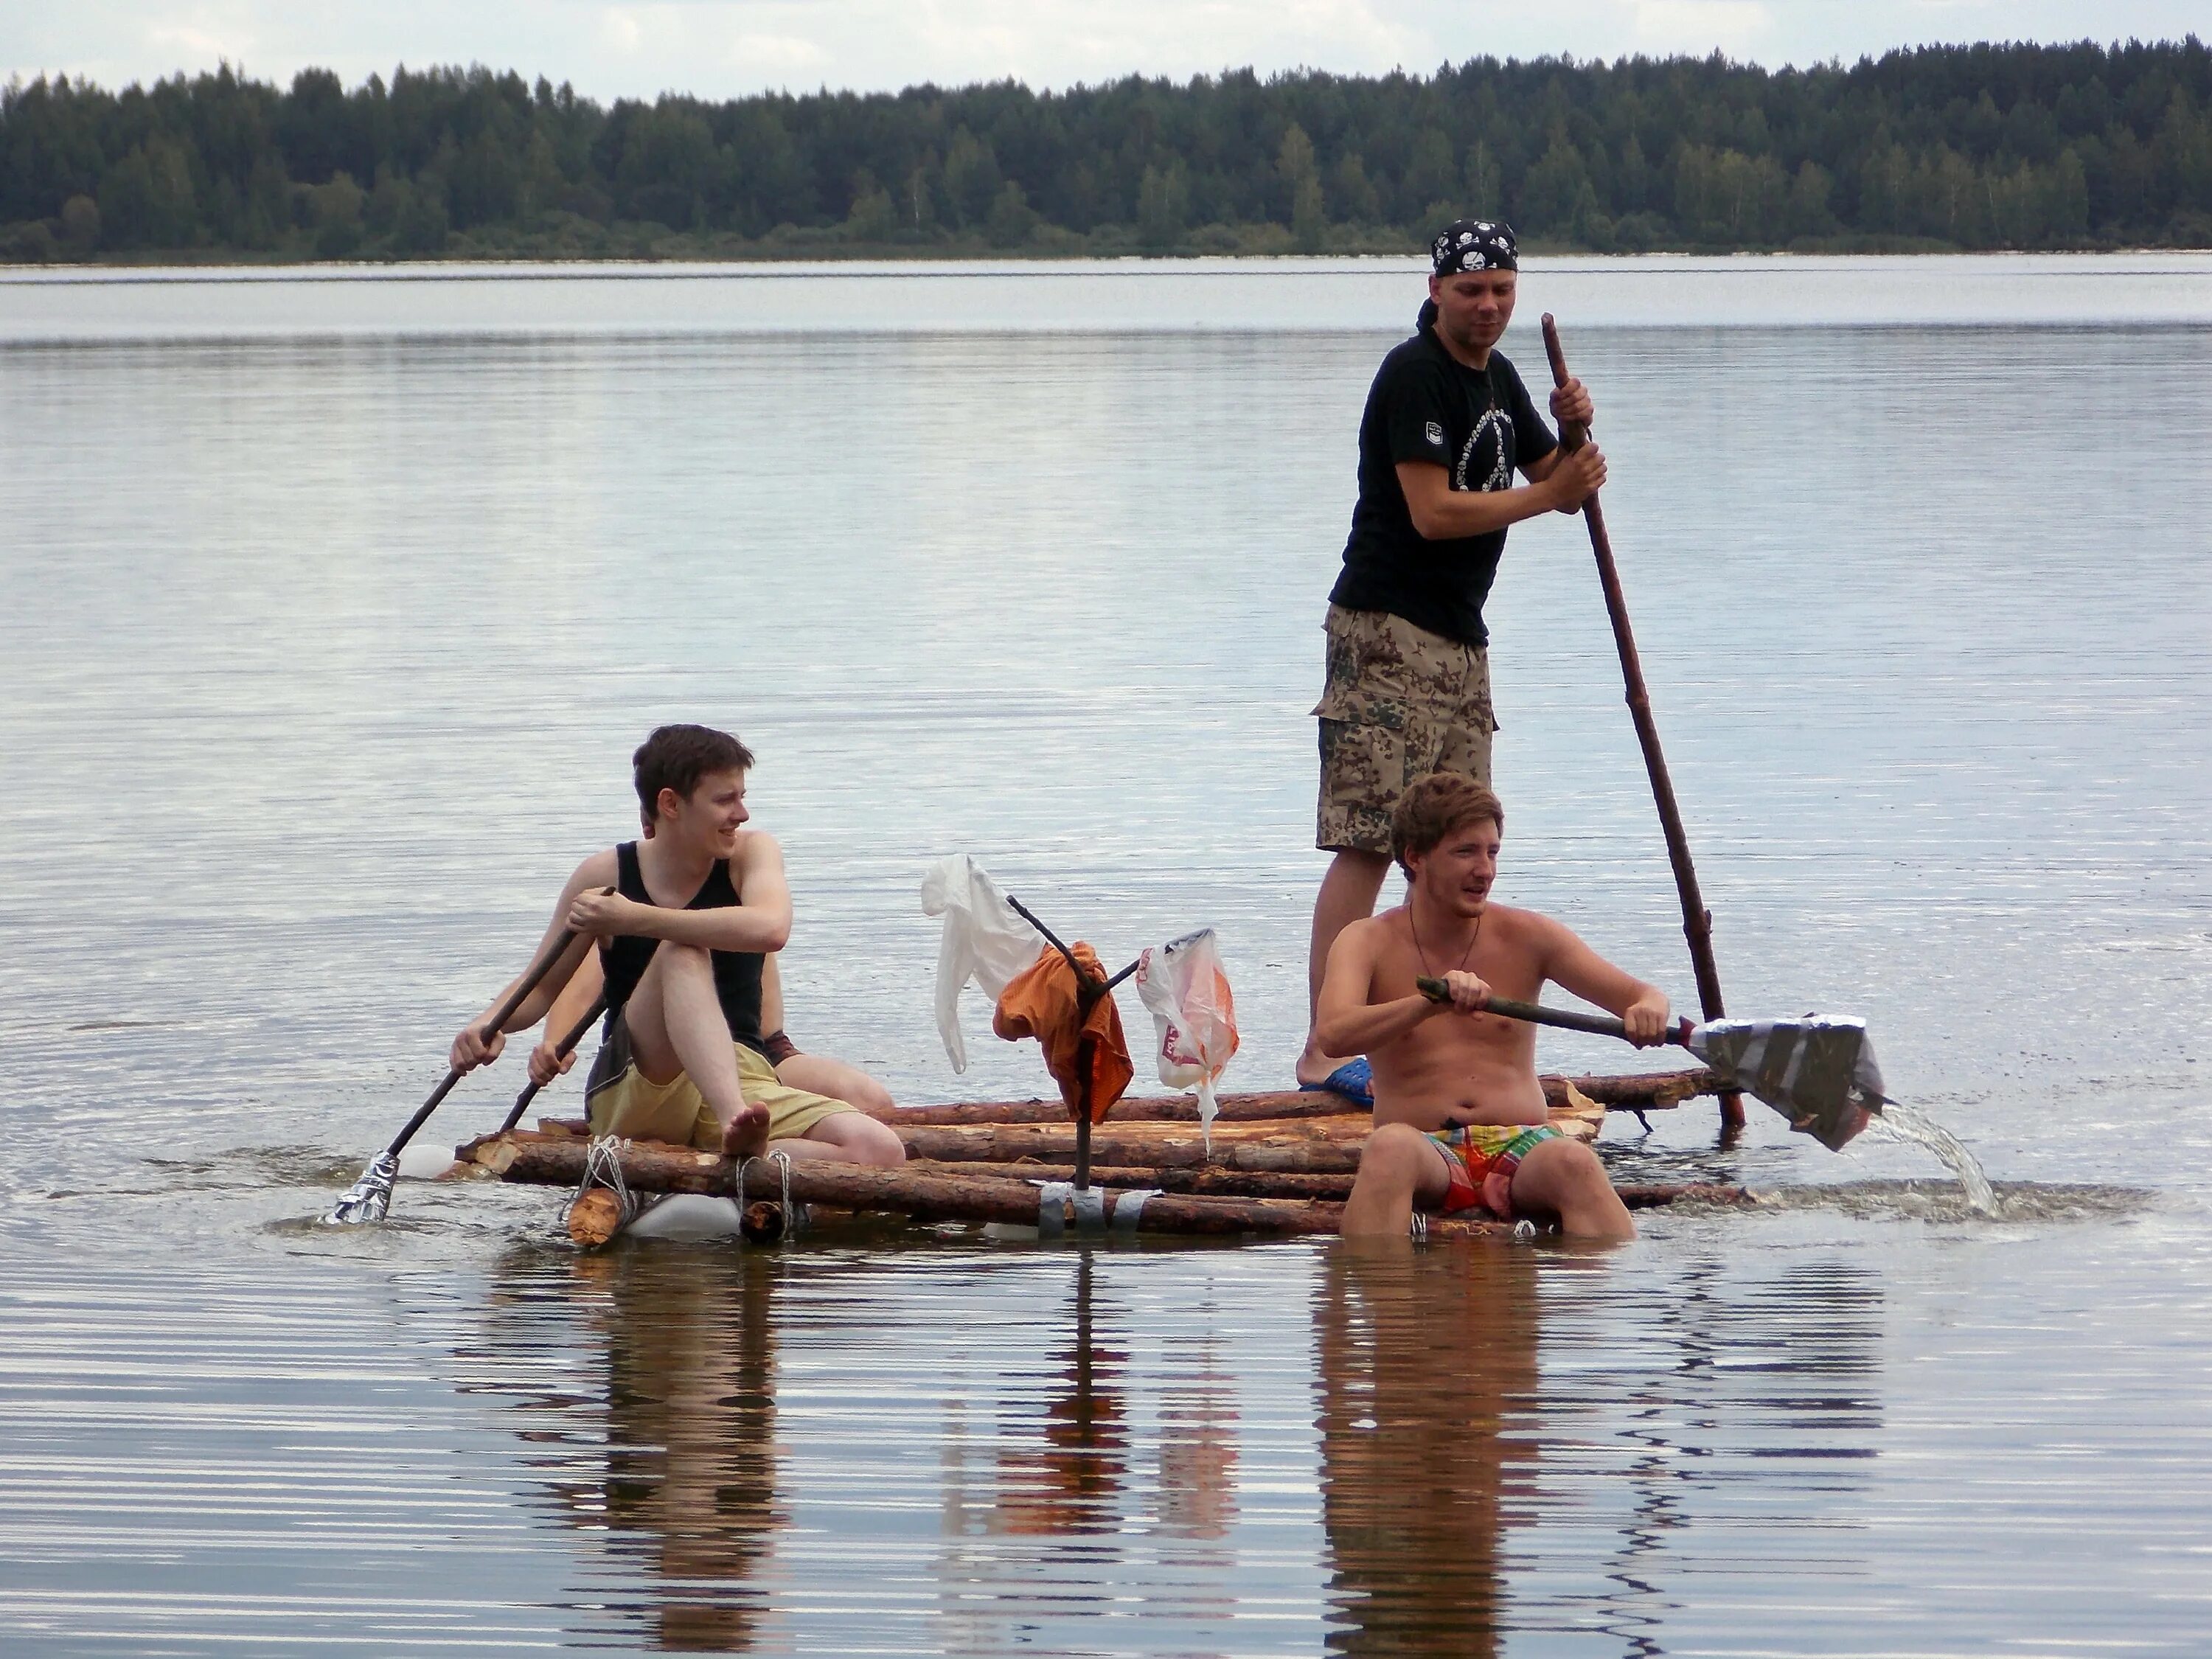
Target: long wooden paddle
1820,1073
1696,921
369,1198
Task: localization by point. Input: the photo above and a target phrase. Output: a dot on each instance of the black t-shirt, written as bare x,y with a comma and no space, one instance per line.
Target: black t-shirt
1426,405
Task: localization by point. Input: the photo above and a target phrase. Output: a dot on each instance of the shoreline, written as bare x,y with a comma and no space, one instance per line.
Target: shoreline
490,267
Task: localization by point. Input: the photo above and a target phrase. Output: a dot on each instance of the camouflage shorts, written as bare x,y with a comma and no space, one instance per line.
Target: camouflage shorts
1400,703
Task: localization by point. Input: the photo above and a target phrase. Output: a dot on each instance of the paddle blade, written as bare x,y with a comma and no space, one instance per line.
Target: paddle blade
369,1197
1818,1073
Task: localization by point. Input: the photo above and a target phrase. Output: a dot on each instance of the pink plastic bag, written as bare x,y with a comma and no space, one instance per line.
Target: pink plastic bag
1193,1013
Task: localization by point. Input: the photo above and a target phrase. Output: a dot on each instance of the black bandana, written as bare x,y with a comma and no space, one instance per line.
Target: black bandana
1474,245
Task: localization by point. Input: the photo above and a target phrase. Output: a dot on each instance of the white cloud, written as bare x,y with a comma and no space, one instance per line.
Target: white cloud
1736,27
721,48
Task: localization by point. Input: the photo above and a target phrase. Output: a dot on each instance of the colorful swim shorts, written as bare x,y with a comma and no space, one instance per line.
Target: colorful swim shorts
1484,1157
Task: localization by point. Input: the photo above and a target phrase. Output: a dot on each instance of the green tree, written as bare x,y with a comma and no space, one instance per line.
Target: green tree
1163,205
873,216
971,178
1486,182
337,207
126,202
1294,165
80,218
1353,191
422,226
1011,218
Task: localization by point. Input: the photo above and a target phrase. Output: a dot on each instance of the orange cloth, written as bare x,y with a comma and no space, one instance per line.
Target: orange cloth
1040,1001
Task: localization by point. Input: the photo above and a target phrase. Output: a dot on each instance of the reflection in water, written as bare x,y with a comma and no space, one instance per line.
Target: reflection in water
686,1483
1431,1414
1426,1356
1067,1478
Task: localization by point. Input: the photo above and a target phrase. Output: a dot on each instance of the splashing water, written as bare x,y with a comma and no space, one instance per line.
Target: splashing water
1910,1123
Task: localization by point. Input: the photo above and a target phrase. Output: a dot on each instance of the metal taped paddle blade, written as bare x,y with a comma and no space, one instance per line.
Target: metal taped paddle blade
1818,1073
369,1197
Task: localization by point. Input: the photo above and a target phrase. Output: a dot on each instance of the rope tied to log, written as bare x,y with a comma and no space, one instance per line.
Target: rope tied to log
779,1162
603,1170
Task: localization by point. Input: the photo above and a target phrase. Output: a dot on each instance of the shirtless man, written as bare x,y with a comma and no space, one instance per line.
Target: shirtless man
696,906
1460,1117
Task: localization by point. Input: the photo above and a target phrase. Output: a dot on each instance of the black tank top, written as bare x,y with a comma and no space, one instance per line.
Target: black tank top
737,973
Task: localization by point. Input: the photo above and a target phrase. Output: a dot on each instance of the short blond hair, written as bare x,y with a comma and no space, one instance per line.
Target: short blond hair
1435,807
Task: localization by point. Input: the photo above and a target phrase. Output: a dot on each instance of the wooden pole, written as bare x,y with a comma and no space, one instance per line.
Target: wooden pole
1696,921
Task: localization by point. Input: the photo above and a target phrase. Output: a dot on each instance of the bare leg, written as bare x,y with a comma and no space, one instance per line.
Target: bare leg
1347,895
1402,1167
676,1024
847,1138
818,1074
1565,1178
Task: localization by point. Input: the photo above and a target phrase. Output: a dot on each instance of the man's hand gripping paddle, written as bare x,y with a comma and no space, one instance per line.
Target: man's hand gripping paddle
370,1197
1818,1073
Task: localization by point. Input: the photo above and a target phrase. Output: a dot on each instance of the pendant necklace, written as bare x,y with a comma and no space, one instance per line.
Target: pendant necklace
1414,929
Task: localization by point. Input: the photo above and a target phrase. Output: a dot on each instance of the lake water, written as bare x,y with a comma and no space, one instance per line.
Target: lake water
336,606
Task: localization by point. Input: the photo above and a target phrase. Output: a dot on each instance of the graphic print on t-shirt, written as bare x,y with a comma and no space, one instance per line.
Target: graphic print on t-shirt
1498,427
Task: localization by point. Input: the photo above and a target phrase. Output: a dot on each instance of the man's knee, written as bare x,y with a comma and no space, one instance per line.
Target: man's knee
870,1096
1569,1168
864,1140
1397,1154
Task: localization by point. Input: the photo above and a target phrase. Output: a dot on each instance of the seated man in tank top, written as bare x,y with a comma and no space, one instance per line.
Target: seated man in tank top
1459,1118
816,1073
682,922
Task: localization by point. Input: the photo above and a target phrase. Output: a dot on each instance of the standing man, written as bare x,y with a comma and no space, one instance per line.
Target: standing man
1448,423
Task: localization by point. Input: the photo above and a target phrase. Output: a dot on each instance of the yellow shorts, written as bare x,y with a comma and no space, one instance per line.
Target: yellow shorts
634,1107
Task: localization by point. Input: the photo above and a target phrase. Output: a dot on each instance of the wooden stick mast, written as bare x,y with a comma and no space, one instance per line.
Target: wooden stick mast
1696,921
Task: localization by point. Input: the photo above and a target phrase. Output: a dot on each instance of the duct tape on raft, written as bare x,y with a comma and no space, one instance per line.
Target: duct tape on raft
1052,1208
1128,1207
1054,1199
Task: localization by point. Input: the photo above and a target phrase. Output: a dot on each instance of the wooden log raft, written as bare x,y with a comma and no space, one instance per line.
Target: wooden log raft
929,1192
649,1166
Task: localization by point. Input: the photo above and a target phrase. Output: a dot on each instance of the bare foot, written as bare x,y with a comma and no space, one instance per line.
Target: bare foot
1314,1067
746,1135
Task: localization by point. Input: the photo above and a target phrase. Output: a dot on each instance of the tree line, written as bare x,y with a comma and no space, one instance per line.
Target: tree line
1986,146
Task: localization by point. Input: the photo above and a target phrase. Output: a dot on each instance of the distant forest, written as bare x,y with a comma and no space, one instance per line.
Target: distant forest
1951,147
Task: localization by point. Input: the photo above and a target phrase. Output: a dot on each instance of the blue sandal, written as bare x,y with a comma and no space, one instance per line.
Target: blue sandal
1354,1080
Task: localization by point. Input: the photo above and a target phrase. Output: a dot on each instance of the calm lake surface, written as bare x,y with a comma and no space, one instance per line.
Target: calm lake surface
334,608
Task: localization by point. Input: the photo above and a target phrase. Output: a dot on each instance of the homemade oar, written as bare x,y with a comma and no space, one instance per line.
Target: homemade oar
1696,921
370,1197
1817,1072
567,1047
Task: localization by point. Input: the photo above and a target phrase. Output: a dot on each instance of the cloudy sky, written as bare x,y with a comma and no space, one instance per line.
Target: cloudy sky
724,47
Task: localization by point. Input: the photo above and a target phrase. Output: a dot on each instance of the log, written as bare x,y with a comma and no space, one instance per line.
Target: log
1259,1183
1650,1091
1315,1146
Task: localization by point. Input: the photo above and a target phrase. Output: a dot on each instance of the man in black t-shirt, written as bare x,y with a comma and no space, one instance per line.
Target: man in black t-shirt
1446,425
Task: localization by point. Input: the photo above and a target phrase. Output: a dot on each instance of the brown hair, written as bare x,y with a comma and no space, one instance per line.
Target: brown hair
678,757
1435,807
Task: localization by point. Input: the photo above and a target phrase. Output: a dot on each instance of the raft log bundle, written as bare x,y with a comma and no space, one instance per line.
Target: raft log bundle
1277,1165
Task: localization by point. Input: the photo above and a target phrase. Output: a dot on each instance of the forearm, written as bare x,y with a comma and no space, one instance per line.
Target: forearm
1457,513
576,999
532,1008
742,927
1366,1028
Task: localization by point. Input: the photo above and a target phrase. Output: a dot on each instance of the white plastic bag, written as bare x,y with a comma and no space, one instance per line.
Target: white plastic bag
1193,1016
984,940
